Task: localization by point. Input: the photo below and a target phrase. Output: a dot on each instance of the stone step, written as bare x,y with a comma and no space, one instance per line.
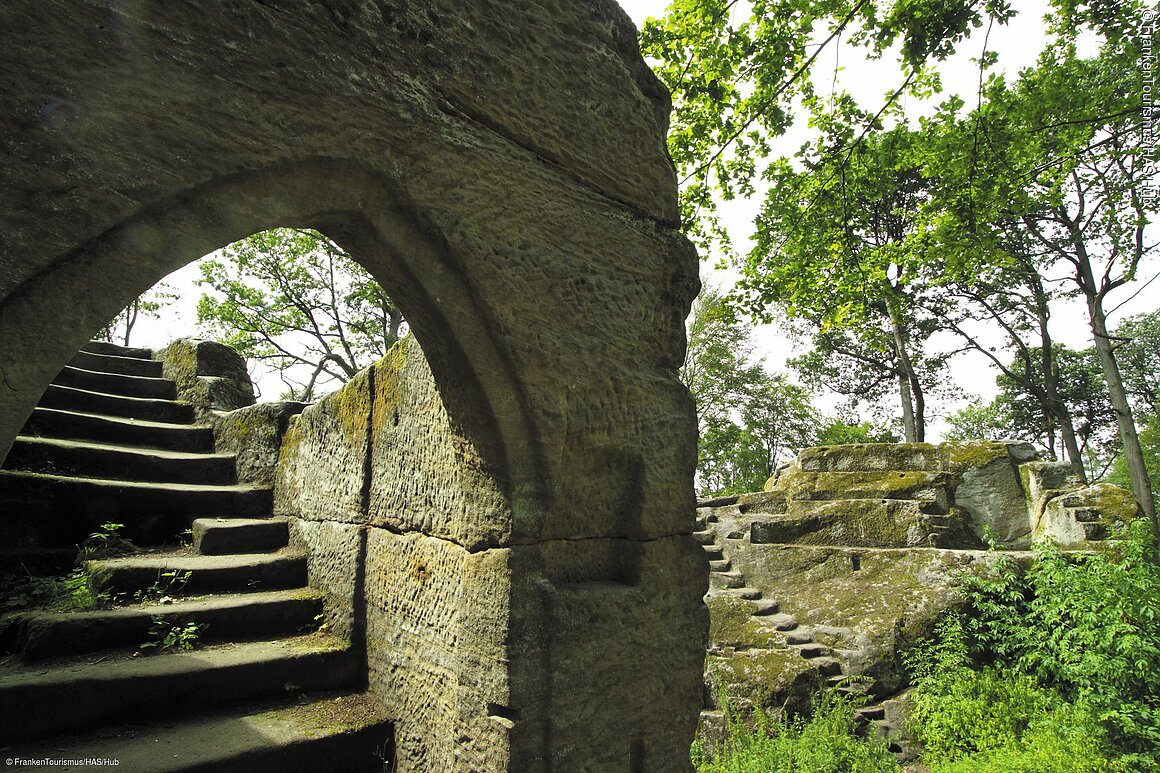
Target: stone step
83,401
780,622
814,650
116,363
348,733
116,350
73,425
841,685
705,537
727,579
765,608
722,501
714,552
720,565
758,502
870,713
749,594
1094,531
116,383
221,618
53,510
799,636
930,487
72,696
56,456
216,536
829,667
239,572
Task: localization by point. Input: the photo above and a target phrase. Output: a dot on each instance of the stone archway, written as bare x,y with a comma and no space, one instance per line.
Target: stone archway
531,242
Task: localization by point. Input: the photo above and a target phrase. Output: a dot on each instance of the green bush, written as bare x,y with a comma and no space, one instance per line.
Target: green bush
823,744
1055,668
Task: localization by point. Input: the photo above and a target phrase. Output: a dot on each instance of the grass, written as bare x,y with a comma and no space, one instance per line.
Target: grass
823,743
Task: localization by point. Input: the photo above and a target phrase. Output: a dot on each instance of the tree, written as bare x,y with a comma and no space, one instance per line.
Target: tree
1056,156
975,298
980,421
1137,341
1150,443
836,431
834,256
294,300
1083,400
736,71
749,421
147,305
1060,156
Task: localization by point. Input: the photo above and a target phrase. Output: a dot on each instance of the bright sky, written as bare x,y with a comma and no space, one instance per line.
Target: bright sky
1018,44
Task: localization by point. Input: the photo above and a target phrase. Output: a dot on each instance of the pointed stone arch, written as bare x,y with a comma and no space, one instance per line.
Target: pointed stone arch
530,239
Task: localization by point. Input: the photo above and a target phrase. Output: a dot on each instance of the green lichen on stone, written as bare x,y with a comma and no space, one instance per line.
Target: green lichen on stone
957,457
862,484
771,678
731,623
242,426
870,456
847,522
291,441
349,409
388,377
1114,503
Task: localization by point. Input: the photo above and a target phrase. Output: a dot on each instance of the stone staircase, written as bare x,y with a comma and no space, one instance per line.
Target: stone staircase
260,686
109,441
825,669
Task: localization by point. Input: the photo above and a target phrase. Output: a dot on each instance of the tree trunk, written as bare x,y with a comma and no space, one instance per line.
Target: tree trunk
1133,454
909,430
919,402
909,388
1053,405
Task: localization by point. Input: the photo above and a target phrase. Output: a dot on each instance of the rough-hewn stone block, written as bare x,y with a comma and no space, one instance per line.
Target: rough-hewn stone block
425,475
322,465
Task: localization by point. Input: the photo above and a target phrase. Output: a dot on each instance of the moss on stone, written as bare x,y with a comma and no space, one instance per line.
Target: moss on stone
1114,503
957,457
866,523
771,678
870,456
731,623
863,484
388,376
291,441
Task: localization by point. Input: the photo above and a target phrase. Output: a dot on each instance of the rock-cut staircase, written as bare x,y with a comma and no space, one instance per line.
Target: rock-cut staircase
827,668
261,687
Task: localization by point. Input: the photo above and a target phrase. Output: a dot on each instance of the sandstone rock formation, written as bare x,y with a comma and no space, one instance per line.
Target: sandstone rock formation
853,552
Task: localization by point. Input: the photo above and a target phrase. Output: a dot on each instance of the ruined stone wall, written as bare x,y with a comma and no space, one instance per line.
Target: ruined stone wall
406,533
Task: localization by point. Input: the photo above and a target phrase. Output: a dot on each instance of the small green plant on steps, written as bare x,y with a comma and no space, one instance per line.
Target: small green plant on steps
105,542
164,636
74,591
169,583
